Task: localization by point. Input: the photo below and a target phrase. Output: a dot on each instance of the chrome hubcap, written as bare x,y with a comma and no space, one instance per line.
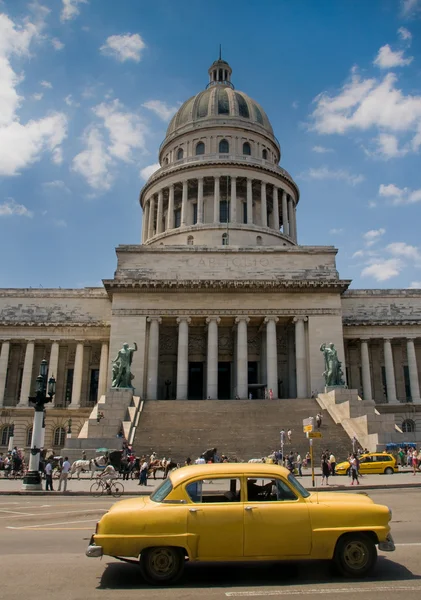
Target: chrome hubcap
162,562
356,555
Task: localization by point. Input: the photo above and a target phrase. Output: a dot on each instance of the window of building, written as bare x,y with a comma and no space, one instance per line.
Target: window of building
195,213
68,388
177,218
29,437
200,148
223,211
223,102
93,386
59,436
180,153
246,148
224,147
225,239
243,109
190,240
223,490
244,212
383,382
6,434
408,426
259,240
264,154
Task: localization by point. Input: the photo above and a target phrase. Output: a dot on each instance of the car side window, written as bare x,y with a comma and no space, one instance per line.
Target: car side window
217,489
268,490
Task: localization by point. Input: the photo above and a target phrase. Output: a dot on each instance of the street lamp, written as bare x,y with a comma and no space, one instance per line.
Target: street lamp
69,429
32,480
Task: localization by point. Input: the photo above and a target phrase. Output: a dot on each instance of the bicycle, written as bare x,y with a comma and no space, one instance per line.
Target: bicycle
99,487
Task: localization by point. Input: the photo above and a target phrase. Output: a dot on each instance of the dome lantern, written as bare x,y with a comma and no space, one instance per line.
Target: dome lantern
220,72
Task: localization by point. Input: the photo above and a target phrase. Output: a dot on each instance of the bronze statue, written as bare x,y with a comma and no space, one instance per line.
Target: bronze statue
122,376
333,373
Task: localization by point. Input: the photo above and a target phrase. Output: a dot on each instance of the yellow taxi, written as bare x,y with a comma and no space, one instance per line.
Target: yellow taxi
241,512
373,463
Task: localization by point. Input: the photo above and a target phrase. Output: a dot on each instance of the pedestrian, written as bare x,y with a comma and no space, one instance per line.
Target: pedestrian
187,462
289,434
143,474
308,459
325,469
270,394
415,461
318,420
65,468
299,465
354,462
48,476
332,461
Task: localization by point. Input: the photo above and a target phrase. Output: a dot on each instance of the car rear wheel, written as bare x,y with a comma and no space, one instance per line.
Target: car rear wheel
162,565
355,555
389,471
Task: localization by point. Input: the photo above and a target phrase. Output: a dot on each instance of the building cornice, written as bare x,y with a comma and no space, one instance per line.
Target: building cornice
97,292
379,323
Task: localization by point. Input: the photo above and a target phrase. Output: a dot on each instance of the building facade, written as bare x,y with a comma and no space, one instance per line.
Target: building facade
220,297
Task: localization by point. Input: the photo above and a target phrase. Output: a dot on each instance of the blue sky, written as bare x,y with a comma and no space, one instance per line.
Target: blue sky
87,88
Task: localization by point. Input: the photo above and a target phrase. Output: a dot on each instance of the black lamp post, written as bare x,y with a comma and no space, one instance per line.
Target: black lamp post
44,392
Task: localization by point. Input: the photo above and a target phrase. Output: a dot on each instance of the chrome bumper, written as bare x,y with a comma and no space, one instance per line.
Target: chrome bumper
94,551
388,545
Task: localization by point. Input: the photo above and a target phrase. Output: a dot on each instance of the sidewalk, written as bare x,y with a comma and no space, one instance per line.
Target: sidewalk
131,487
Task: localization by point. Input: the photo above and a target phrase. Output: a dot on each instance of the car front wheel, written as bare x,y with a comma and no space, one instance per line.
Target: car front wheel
355,555
389,471
162,565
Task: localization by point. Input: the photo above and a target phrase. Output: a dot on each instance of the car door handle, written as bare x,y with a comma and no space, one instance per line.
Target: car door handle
250,507
194,509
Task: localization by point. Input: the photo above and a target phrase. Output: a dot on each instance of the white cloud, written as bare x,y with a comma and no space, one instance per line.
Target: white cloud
57,184
38,96
415,285
124,47
94,162
71,9
161,109
59,223
400,195
410,7
57,45
339,174
10,208
146,172
364,104
295,104
321,149
403,250
404,34
46,84
70,102
383,269
387,58
372,236
335,231
358,254
22,144
387,147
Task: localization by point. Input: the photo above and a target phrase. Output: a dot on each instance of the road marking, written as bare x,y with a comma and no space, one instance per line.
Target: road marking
57,529
51,524
14,512
320,591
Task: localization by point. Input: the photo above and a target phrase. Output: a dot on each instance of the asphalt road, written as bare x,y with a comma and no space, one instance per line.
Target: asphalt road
42,555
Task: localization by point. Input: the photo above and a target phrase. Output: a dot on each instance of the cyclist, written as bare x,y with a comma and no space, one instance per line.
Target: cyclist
109,473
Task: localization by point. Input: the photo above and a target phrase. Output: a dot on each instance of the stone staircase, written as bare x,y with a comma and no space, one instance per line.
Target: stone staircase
239,428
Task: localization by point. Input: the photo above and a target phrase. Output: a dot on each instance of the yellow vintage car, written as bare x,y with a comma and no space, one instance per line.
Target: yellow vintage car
241,512
373,463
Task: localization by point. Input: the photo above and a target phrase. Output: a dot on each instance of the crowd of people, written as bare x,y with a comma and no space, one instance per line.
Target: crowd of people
13,463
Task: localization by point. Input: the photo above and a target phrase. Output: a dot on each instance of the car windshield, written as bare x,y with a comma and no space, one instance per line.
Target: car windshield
162,491
297,485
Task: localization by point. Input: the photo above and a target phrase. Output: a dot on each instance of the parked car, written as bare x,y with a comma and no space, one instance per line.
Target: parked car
241,511
371,464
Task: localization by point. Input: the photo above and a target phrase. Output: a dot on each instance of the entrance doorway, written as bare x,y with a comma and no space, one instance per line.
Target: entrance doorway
195,385
224,380
252,379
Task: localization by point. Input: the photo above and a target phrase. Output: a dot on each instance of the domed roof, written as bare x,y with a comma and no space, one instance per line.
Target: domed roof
219,102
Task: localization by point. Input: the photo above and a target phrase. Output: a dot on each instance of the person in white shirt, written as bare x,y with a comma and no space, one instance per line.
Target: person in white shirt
48,476
64,474
109,473
200,460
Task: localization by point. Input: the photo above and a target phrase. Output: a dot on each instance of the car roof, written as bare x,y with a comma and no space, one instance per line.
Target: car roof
220,469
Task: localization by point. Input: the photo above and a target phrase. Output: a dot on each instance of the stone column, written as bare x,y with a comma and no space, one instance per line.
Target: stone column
170,214
301,357
272,355
212,358
291,217
183,358
145,223
53,366
4,361
153,358
413,371
242,357
200,200
184,203
365,370
159,216
27,374
233,203
263,206
216,196
390,372
103,370
249,201
285,226
294,222
275,209
151,217
77,377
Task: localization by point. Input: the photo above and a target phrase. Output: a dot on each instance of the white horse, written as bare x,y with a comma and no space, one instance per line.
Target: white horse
88,465
257,460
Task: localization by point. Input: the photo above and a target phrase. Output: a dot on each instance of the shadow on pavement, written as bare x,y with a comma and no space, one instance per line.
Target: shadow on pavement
215,575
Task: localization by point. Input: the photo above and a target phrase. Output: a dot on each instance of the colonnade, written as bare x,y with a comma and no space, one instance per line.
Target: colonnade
159,208
53,365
